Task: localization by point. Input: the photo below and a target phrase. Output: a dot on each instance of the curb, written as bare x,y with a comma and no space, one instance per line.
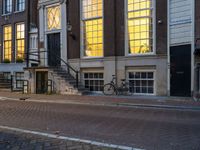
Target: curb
152,106
55,136
161,106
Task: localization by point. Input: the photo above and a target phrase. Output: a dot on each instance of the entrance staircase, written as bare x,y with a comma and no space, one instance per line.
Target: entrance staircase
5,84
65,79
65,83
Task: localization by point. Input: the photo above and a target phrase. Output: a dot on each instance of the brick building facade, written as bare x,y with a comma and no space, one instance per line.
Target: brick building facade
148,43
17,17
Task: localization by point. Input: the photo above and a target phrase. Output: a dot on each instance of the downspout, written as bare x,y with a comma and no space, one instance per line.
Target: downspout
27,33
67,21
115,41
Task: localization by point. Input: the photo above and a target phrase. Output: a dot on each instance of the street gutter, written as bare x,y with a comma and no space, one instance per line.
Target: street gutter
109,104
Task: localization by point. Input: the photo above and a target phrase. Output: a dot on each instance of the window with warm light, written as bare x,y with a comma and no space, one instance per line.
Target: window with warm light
140,27
92,21
53,18
7,44
20,40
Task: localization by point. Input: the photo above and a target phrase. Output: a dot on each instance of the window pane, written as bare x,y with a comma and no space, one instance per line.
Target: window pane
53,18
92,27
7,42
20,5
94,81
143,82
7,5
20,41
140,26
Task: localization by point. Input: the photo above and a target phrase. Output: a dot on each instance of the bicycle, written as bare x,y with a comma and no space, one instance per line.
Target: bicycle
112,88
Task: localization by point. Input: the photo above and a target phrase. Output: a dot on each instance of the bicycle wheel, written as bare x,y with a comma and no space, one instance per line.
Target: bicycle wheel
108,89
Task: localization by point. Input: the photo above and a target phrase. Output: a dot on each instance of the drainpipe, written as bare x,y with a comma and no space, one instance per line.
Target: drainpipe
27,33
115,41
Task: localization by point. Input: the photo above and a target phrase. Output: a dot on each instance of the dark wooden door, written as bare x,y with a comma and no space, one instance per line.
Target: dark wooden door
41,82
180,57
53,45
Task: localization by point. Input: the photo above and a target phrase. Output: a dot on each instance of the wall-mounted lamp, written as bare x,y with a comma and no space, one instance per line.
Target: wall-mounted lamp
160,22
69,29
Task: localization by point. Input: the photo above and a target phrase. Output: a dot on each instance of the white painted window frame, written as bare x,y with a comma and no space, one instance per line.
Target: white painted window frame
46,19
82,33
153,30
4,40
17,11
16,38
92,71
4,8
144,70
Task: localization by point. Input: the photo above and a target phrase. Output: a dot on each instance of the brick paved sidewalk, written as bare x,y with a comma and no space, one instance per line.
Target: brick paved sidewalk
105,100
10,140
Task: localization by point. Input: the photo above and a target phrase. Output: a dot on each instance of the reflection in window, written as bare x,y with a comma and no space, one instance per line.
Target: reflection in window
92,27
7,6
20,35
143,82
7,42
140,26
94,81
53,18
20,5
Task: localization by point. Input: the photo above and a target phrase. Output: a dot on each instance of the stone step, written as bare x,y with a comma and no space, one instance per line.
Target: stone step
5,90
4,85
69,82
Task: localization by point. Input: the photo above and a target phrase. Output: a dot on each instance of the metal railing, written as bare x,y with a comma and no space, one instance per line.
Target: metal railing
18,84
63,64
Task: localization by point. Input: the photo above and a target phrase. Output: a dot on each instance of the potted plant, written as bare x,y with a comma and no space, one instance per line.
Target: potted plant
19,60
6,61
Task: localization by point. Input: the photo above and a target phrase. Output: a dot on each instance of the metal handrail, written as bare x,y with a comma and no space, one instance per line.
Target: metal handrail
65,63
69,67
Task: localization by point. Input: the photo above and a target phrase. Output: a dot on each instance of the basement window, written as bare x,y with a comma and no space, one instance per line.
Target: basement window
19,79
143,82
94,81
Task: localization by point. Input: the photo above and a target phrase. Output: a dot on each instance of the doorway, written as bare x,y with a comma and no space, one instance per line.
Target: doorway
41,82
180,70
53,46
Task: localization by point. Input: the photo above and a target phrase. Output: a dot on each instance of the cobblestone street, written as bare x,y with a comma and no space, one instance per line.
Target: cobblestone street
15,141
144,128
